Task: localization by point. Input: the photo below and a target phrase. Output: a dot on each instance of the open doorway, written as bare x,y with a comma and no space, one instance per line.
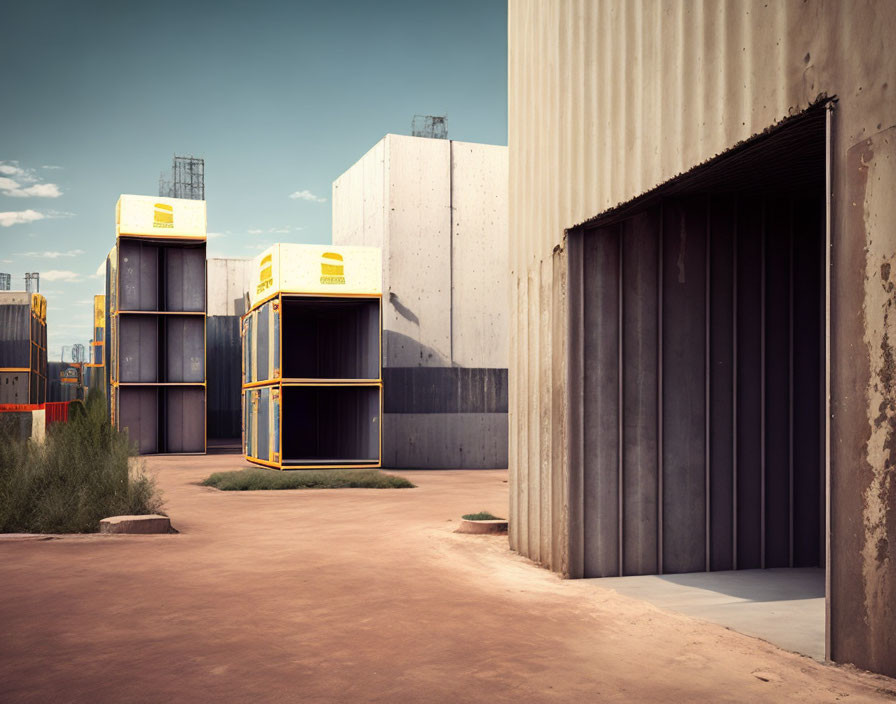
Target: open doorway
702,309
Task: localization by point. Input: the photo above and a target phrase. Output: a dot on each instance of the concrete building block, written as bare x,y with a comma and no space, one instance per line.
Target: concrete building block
136,524
438,209
227,283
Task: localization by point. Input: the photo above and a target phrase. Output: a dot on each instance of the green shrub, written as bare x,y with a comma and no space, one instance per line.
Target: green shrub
84,472
268,479
481,516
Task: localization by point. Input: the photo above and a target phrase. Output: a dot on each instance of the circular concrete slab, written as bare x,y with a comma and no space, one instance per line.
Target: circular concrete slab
481,527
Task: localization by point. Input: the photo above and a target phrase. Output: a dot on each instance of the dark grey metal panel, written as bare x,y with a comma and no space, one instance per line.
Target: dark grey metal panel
721,403
445,440
250,420
15,336
749,391
684,403
184,271
184,410
15,387
138,413
263,448
223,341
640,249
777,374
138,348
719,490
248,334
445,390
138,272
601,404
185,348
263,343
808,314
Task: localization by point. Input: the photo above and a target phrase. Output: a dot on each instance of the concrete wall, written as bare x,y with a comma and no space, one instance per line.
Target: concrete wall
226,286
227,281
438,209
609,99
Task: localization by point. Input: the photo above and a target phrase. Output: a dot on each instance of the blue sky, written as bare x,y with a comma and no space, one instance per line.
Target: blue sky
278,97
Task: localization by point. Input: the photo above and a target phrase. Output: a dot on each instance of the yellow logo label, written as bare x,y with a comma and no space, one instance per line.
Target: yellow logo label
332,270
265,274
163,215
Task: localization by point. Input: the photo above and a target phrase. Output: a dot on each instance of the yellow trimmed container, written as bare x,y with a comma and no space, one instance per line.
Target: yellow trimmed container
312,358
156,313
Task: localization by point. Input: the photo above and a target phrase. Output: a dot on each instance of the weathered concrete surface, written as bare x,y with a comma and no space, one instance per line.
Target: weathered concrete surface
438,209
863,412
609,99
136,524
259,600
783,606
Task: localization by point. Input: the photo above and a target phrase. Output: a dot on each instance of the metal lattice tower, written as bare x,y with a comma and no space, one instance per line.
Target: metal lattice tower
5,282
32,282
431,126
187,179
79,353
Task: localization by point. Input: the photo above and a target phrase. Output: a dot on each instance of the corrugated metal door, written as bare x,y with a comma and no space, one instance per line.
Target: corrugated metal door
701,394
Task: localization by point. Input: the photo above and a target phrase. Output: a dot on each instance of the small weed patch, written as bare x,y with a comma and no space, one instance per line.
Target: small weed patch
481,516
80,475
267,479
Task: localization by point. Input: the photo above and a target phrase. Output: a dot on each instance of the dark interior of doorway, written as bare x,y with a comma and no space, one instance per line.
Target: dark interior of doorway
703,319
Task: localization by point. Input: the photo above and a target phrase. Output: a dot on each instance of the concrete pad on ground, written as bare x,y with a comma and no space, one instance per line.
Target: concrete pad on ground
783,606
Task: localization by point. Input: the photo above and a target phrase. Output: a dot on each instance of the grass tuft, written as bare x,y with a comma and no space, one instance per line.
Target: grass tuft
267,479
481,516
82,473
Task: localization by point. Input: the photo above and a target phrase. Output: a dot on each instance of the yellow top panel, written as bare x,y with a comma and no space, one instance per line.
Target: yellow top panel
315,269
99,311
39,306
152,216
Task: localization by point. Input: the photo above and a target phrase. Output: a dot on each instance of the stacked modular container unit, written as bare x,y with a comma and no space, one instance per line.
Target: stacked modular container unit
23,348
94,373
312,366
155,294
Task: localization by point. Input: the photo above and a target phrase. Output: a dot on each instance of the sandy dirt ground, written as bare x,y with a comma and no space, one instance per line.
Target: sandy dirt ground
355,596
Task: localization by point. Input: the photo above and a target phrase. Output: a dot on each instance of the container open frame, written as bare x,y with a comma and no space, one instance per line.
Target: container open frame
312,386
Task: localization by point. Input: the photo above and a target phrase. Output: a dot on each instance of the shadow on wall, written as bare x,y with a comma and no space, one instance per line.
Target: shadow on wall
403,351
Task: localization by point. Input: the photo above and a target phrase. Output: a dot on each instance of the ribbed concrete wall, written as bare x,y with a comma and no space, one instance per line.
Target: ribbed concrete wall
610,98
438,209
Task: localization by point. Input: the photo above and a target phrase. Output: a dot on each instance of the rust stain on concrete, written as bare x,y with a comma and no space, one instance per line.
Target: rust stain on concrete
877,168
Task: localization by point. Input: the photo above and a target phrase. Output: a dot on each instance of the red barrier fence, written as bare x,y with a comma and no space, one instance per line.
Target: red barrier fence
56,411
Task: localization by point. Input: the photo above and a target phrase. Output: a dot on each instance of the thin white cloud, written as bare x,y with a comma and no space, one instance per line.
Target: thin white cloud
53,255
307,195
18,217
214,235
51,167
60,275
255,231
38,190
10,168
12,176
5,261
279,230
